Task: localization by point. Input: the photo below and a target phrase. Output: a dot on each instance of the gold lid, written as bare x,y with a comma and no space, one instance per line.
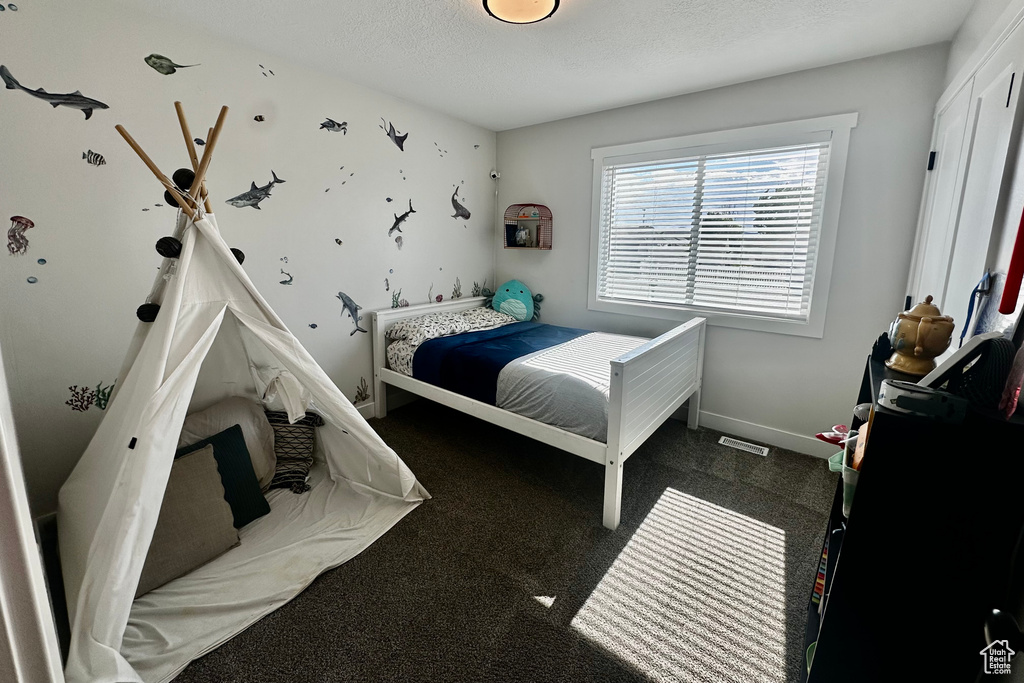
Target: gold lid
925,309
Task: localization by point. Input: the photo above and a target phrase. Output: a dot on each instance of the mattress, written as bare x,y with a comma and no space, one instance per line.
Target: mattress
556,375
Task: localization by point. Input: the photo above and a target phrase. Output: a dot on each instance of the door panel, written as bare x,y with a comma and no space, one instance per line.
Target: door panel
942,207
994,103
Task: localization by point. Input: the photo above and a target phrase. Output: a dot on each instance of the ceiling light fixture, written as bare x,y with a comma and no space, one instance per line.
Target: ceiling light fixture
521,11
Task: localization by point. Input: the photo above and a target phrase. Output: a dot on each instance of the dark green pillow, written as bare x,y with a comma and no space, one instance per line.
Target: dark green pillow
241,488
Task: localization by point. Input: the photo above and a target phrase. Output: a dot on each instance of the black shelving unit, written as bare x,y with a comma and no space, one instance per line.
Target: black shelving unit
925,554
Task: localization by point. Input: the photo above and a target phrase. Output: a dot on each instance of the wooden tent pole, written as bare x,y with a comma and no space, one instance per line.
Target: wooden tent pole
156,171
190,145
211,143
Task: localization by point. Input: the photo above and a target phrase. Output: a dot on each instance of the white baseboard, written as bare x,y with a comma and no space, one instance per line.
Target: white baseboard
769,435
367,410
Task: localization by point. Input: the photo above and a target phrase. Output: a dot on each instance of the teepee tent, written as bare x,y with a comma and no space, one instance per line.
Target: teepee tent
214,337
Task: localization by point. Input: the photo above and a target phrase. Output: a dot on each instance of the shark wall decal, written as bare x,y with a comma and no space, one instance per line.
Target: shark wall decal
72,100
401,219
255,195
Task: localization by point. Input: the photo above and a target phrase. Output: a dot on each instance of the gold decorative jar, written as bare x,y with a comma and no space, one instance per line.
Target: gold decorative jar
917,337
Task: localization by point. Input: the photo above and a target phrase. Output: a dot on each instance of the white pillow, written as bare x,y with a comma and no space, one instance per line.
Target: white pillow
259,435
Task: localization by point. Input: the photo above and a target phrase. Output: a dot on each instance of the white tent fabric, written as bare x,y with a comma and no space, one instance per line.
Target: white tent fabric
214,337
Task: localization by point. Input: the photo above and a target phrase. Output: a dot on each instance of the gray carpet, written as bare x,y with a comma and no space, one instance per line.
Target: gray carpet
508,575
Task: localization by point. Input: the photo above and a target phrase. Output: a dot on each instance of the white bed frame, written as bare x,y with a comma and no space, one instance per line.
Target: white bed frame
648,385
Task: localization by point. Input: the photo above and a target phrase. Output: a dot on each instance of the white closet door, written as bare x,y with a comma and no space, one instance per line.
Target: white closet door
942,205
994,108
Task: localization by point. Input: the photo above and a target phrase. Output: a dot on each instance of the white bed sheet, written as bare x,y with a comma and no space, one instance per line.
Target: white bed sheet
279,555
566,386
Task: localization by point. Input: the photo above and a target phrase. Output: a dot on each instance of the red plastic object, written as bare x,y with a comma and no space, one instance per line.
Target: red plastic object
1015,273
836,436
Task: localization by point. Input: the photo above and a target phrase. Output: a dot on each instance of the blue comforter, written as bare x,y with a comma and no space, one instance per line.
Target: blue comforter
469,363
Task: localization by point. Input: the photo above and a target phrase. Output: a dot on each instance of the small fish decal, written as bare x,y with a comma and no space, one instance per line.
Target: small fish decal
335,127
290,278
399,140
312,326
352,309
258,118
199,141
399,241
387,285
460,210
338,241
164,65
389,200
73,100
94,158
401,219
255,195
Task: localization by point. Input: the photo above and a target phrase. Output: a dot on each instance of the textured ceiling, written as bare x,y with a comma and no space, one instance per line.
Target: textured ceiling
592,55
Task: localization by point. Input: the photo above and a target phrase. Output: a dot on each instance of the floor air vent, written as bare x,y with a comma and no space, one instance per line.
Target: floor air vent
743,446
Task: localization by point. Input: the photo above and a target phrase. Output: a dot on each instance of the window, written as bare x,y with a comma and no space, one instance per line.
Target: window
734,225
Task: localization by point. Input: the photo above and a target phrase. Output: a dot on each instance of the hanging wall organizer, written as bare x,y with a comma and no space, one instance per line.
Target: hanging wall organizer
528,226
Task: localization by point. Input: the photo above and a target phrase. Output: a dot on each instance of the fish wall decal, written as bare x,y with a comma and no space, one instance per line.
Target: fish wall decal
460,210
353,310
334,127
94,158
399,140
164,65
72,100
401,219
255,195
290,278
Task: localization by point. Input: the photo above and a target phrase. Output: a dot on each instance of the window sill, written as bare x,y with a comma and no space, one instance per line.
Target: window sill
814,327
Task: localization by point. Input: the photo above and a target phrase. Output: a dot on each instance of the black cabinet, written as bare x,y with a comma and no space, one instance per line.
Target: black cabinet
925,555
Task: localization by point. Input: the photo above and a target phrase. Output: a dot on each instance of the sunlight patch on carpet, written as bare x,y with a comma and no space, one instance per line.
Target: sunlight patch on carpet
698,593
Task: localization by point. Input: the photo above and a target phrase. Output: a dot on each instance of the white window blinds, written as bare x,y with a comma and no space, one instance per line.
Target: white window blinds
730,232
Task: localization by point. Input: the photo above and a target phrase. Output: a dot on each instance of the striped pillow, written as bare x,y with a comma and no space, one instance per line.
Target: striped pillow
293,446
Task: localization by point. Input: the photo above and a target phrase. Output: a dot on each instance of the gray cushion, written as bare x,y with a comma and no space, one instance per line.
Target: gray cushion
195,523
259,436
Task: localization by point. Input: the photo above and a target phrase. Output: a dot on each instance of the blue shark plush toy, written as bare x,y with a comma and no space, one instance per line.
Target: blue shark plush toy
515,299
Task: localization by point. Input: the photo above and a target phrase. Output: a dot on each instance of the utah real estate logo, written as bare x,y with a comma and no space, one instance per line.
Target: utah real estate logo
997,656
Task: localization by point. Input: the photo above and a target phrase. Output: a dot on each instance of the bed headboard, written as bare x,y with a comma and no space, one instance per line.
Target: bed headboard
384,318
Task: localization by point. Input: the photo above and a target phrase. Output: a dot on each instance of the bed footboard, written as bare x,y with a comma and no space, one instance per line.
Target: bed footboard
648,384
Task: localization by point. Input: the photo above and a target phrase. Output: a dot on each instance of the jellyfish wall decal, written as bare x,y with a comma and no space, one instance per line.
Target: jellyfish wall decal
17,243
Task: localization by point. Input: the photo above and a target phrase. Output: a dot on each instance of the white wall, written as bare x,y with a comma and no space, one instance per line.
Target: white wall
974,33
781,389
73,326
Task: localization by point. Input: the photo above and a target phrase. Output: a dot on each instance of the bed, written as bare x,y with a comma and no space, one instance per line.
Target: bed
645,386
